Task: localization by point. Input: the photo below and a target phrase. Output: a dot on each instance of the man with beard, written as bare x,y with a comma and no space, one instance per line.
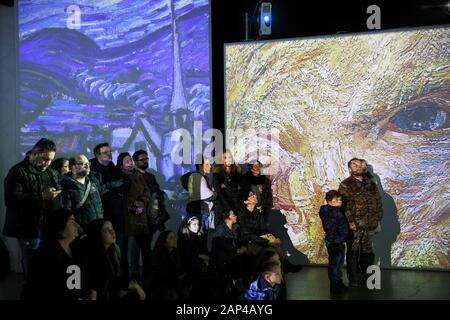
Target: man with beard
81,192
158,213
117,184
362,207
31,193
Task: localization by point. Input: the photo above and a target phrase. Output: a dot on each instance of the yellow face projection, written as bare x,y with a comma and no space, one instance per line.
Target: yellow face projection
384,97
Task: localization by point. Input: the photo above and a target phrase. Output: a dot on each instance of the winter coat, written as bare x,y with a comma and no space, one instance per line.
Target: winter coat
47,276
229,187
103,277
190,246
25,207
137,198
361,202
157,213
117,183
253,225
73,193
165,273
334,224
225,243
261,187
260,289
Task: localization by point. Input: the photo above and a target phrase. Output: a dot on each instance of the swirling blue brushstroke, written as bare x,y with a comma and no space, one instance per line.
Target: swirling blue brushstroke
78,85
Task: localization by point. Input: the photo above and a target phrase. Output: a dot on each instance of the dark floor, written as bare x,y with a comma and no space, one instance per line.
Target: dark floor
312,284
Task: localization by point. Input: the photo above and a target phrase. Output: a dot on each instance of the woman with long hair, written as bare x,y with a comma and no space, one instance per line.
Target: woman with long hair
107,273
48,273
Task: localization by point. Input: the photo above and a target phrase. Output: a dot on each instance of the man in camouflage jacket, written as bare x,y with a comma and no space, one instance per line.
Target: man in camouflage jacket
362,207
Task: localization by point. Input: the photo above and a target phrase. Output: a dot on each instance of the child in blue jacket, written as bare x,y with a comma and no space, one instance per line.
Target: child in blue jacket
267,285
336,230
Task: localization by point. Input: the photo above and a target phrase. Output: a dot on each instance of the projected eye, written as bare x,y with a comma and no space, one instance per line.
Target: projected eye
420,117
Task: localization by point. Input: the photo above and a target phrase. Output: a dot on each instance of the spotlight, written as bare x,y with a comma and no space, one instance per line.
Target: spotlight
265,18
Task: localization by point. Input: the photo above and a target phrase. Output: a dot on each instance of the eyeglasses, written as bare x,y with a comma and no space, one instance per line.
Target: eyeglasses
143,159
106,152
83,164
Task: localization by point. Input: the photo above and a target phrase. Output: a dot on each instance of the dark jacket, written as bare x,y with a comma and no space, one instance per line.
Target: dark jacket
118,184
25,207
225,243
138,195
261,186
229,187
334,224
107,268
152,184
165,274
158,214
73,193
47,276
260,289
253,225
104,276
190,246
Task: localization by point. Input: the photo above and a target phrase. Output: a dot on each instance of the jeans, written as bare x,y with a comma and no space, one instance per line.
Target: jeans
28,247
137,246
335,263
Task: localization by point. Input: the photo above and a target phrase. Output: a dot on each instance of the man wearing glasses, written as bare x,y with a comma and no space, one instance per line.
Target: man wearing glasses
117,184
81,192
158,213
31,193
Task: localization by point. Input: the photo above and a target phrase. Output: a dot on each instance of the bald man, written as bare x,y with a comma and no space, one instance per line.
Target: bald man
81,191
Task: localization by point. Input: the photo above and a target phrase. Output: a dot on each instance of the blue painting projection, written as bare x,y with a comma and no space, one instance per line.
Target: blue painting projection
126,72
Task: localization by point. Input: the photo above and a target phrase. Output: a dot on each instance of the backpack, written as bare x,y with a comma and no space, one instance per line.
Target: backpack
184,179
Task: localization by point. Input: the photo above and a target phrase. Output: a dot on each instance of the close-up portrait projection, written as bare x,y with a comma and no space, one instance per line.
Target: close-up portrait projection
125,72
383,97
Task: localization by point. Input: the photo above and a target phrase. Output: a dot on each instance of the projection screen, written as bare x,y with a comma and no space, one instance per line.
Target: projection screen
126,72
381,96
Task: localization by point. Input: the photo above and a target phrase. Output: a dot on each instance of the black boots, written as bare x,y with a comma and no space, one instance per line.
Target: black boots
338,287
367,259
287,267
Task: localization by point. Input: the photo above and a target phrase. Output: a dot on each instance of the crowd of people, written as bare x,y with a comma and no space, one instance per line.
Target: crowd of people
102,217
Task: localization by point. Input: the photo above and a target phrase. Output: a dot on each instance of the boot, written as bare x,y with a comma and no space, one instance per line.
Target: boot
287,267
367,259
335,288
343,287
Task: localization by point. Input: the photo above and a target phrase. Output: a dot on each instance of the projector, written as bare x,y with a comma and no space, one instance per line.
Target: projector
265,19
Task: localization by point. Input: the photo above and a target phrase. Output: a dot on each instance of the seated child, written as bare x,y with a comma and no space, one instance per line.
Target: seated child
267,285
336,232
